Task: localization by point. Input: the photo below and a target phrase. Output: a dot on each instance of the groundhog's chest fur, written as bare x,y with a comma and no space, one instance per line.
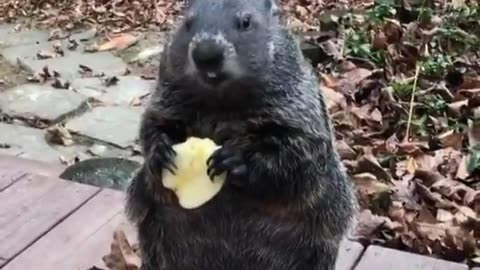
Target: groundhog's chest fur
232,224
233,233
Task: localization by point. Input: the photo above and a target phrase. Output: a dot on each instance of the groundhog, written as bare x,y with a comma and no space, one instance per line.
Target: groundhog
233,73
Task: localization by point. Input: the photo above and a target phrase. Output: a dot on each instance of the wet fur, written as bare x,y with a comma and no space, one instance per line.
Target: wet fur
296,202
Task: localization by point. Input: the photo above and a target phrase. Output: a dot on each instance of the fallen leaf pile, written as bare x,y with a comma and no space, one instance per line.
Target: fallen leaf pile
109,16
122,16
403,91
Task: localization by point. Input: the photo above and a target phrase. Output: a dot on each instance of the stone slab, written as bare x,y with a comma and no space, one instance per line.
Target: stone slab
10,37
40,101
376,257
122,93
115,125
348,255
84,35
68,67
28,52
26,142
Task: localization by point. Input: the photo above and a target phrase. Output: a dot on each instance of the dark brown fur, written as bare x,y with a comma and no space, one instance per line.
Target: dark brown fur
294,204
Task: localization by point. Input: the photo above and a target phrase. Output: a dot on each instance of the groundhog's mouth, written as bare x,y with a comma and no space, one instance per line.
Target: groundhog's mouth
213,78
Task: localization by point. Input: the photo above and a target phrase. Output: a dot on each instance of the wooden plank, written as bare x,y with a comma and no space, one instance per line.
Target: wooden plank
376,257
99,245
80,241
9,176
33,206
31,166
348,255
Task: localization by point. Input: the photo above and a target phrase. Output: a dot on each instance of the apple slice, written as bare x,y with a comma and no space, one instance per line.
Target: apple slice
191,182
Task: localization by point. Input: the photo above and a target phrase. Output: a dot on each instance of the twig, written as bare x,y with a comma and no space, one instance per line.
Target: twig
410,112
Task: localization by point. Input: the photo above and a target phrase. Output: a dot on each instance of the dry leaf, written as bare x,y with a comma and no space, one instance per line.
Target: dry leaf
367,184
470,83
412,148
404,192
46,54
393,31
328,80
434,198
458,108
411,165
58,134
369,225
122,256
444,215
356,75
391,144
335,100
423,161
344,150
368,163
379,41
468,212
426,216
451,139
474,133
119,42
462,172
429,231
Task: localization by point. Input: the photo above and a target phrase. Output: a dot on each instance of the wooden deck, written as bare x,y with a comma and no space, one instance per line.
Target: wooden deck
47,223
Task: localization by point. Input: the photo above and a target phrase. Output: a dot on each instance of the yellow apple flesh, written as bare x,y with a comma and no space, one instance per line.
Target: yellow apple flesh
191,183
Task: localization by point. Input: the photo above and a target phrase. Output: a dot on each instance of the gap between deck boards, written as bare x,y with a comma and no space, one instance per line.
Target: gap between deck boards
25,177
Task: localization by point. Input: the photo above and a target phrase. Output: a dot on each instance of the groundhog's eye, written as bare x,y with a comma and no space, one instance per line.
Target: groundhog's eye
188,22
245,22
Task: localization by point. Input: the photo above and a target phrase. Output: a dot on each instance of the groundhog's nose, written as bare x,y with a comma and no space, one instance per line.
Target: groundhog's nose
208,55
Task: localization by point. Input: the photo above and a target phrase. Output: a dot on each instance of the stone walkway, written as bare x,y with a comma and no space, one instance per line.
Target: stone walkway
93,99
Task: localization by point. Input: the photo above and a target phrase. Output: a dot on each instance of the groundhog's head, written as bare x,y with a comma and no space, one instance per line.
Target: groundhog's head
220,42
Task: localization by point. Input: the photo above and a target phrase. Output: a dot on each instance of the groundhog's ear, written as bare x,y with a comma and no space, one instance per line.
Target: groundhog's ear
272,6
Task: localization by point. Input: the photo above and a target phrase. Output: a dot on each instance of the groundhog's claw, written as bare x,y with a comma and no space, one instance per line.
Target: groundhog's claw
161,156
229,161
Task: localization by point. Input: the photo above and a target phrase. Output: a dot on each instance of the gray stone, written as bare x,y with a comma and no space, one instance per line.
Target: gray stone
114,173
148,53
71,152
122,93
84,35
140,159
68,67
115,125
28,53
40,101
10,37
26,142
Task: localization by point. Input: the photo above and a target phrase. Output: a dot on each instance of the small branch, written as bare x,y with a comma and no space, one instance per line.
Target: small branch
410,112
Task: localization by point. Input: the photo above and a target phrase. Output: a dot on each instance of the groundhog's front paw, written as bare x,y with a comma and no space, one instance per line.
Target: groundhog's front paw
161,156
229,160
